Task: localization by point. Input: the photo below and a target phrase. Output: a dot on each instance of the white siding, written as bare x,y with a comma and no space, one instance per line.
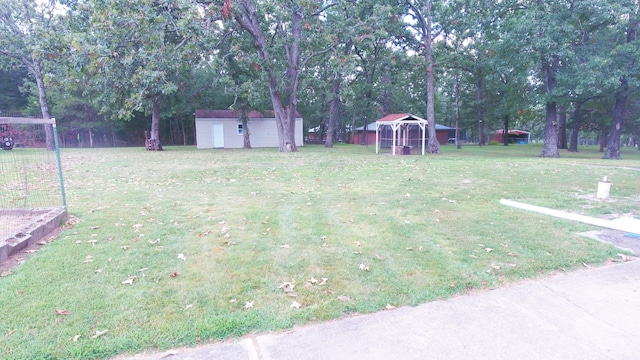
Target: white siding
263,132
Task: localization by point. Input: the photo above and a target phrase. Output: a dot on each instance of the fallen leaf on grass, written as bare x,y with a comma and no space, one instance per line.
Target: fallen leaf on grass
154,241
248,304
189,306
389,307
31,251
169,353
625,258
129,281
488,249
182,257
325,245
358,243
512,253
62,312
363,267
76,337
285,246
295,305
229,243
88,259
42,242
6,273
99,333
324,281
379,257
174,274
343,298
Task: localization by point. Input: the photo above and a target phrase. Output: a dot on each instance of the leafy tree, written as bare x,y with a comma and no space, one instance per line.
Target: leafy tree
132,54
281,33
25,29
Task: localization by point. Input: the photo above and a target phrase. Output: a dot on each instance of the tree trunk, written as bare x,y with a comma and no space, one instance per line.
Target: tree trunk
573,135
44,105
480,112
617,119
434,145
562,127
550,148
244,120
333,110
505,131
153,143
458,113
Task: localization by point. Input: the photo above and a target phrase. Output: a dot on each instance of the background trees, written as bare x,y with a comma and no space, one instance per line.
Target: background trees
341,63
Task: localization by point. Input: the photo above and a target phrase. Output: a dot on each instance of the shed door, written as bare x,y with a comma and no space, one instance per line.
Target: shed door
217,135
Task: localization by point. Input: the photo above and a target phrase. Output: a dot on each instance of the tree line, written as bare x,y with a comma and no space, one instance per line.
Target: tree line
561,68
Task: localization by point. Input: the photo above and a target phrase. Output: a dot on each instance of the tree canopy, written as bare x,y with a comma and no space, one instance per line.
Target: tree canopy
555,68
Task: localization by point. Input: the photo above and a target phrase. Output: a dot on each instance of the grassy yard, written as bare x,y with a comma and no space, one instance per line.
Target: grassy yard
187,246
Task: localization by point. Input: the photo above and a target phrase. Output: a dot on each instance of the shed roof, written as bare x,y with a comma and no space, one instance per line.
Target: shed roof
234,114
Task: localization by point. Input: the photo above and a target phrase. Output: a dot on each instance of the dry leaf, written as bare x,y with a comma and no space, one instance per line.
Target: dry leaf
295,305
379,257
313,281
227,235
6,273
229,243
363,267
97,271
41,243
625,258
324,281
307,284
99,333
129,281
343,298
323,237
248,305
169,353
75,338
189,306
358,243
224,230
587,266
512,253
92,241
287,286
182,257
62,312
389,307
488,249
174,274
124,247
325,245
285,246
31,251
154,241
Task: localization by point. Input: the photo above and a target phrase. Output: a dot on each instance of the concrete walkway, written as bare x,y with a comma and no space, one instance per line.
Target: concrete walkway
586,314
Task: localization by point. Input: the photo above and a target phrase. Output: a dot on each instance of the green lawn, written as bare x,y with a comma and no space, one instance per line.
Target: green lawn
187,246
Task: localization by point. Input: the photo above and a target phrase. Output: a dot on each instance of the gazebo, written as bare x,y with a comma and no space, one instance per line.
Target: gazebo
401,126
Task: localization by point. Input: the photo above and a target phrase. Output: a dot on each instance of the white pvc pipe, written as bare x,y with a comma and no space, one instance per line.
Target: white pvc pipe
627,226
